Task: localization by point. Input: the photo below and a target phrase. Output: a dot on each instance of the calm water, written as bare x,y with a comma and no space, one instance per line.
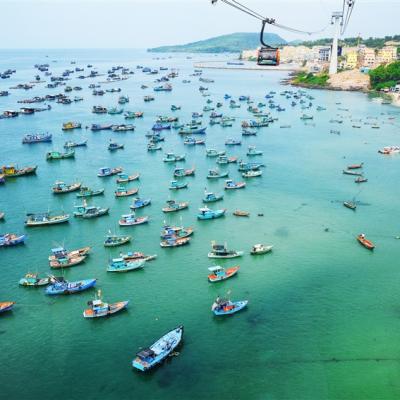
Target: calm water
323,320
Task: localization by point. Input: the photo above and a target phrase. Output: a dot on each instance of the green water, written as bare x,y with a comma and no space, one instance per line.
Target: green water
323,316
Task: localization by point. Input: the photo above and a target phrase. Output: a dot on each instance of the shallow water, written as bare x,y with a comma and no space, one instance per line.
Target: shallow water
323,315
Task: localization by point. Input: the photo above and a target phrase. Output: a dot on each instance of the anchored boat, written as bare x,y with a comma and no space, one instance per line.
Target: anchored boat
61,286
221,251
227,307
220,274
120,265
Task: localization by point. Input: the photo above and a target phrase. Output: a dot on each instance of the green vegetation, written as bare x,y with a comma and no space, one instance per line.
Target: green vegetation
310,79
385,76
354,41
233,43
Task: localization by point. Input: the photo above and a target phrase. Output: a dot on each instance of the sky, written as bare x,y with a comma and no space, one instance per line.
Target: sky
150,23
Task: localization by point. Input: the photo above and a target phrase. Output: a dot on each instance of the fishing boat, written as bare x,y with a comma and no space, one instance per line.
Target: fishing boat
42,219
123,99
61,286
61,258
153,146
252,151
175,108
57,155
206,213
139,203
86,212
131,219
67,126
191,141
6,306
101,127
365,242
175,185
388,150
230,185
252,174
173,206
69,144
161,126
360,179
181,172
248,132
123,127
11,171
148,98
351,172
11,239
355,166
122,177
37,138
87,192
97,308
227,307
171,157
195,130
173,241
232,142
305,117
210,197
216,174
61,187
112,146
106,171
260,249
113,240
221,251
115,111
220,274
176,232
350,204
214,153
137,256
122,191
150,357
240,213
120,265
32,279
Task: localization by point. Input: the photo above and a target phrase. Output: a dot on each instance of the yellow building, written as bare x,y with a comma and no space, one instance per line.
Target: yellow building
387,54
352,60
368,57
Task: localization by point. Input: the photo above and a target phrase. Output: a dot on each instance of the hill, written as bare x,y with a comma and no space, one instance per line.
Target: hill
232,43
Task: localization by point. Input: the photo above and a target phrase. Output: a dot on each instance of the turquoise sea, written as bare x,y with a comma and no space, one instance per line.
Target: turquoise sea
323,320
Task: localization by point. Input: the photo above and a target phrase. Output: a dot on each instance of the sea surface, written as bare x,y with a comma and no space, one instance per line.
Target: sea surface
323,320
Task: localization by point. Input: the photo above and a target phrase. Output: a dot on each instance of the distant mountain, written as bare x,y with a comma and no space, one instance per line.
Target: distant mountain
233,43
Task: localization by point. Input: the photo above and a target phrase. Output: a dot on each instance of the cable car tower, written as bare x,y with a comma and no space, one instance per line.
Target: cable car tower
337,21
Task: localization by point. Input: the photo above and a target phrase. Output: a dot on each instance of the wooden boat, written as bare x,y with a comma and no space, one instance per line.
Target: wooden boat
365,242
11,171
189,130
171,157
122,177
139,203
173,206
61,262
42,219
214,153
355,166
61,187
230,185
32,279
124,192
135,256
176,232
233,142
69,144
113,240
220,274
351,172
71,125
153,147
216,174
115,146
173,241
240,213
106,171
252,151
61,286
360,179
388,150
175,185
350,204
180,172
260,249
86,212
6,306
248,132
191,141
37,138
252,174
206,213
11,239
61,258
227,307
248,166
221,251
57,155
123,127
87,192
156,353
131,219
97,308
120,265
210,197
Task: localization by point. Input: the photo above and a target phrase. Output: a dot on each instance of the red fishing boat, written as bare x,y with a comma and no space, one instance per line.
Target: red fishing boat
365,242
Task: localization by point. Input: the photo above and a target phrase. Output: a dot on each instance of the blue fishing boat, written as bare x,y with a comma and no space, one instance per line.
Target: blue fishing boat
150,357
227,307
216,174
210,197
206,213
175,185
175,108
61,286
120,265
37,138
189,130
11,239
98,308
191,141
84,211
139,203
106,171
161,126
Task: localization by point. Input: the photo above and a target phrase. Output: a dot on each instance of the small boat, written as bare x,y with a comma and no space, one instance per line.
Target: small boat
171,157
123,127
206,213
61,286
191,141
360,179
122,177
214,153
175,108
136,256
120,265
6,306
153,147
150,357
240,213
11,171
115,111
101,127
220,274
210,197
260,249
221,251
71,125
351,172
172,241
11,239
60,258
181,172
37,138
306,117
61,187
252,174
252,151
32,279
42,219
233,142
230,184
122,191
62,252
113,240
131,219
355,166
227,307
365,242
216,174
350,204
97,308
248,132
177,232
115,146
57,155
173,206
87,192
193,130
87,212
69,144
139,203
106,171
175,185
388,150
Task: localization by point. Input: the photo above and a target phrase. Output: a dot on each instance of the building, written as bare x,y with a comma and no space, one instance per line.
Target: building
367,57
352,60
387,54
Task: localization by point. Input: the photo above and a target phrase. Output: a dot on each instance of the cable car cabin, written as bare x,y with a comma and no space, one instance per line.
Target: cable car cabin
268,56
